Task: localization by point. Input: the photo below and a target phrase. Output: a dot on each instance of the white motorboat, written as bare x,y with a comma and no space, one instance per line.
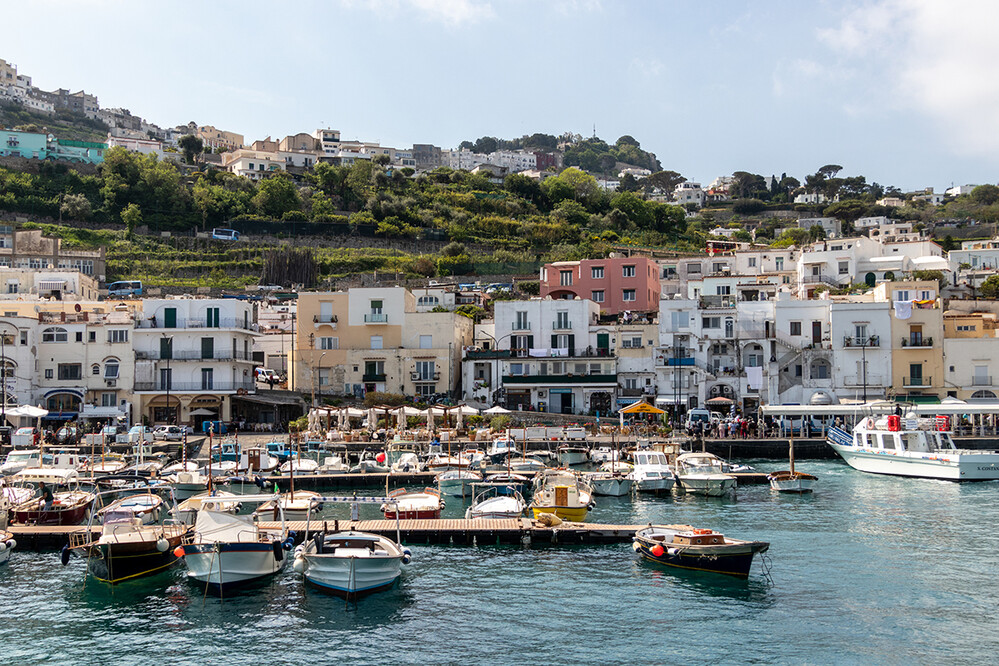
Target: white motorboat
570,454
617,466
295,505
187,511
603,454
651,472
500,449
333,464
188,484
457,482
496,502
147,507
180,466
442,462
228,550
703,474
19,459
406,463
527,466
610,484
105,465
299,466
918,447
369,466
350,564
426,503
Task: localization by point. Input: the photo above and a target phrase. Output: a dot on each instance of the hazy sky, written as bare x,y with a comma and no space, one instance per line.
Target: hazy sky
901,91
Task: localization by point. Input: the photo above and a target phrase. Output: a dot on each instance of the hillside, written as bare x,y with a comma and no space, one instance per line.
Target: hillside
64,124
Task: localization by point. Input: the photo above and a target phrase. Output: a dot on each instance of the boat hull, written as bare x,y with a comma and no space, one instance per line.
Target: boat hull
714,485
6,546
938,465
611,487
785,482
731,560
653,483
574,514
228,565
70,516
117,562
352,577
573,457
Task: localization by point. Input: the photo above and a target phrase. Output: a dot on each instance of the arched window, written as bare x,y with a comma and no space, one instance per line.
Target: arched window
95,369
983,395
8,370
55,334
820,369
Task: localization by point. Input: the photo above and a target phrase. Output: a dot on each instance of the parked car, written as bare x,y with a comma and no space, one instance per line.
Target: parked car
170,433
125,288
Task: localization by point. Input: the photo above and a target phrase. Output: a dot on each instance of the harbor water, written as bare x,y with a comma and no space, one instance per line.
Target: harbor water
867,569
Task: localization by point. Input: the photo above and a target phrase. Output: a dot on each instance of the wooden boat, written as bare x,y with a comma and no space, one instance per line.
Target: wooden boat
442,462
791,481
333,464
105,464
495,502
295,505
426,503
147,507
126,548
686,547
299,466
69,505
561,492
187,511
406,463
509,480
227,550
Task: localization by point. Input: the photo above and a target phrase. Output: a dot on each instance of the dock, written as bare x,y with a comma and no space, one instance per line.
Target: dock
511,531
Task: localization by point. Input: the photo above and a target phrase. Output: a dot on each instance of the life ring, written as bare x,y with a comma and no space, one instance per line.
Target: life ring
869,424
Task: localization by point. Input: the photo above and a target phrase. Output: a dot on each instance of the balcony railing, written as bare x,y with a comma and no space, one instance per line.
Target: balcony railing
373,377
981,381
562,325
520,326
917,342
197,323
425,376
917,382
375,318
854,341
215,385
716,301
486,354
325,319
560,379
195,355
858,380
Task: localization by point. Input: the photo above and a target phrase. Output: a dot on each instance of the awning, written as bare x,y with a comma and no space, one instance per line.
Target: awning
641,407
918,399
51,285
670,400
720,400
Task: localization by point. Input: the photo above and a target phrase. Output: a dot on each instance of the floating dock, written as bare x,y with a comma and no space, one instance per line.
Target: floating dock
517,531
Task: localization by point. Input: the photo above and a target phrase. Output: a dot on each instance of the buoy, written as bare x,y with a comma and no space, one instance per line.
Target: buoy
162,544
635,546
299,565
658,550
407,556
278,550
11,544
380,457
65,555
179,551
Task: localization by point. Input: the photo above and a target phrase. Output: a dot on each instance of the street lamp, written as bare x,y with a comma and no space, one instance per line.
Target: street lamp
496,388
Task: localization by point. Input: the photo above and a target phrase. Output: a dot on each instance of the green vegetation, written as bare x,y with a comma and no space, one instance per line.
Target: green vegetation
64,123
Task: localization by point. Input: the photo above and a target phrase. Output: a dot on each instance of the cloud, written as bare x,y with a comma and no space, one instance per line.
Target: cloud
934,57
449,12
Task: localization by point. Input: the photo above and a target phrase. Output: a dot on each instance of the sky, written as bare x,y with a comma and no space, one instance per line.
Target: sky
900,91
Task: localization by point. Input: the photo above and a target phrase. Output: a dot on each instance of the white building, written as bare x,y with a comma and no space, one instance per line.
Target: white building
689,192
252,164
958,190
829,225
861,342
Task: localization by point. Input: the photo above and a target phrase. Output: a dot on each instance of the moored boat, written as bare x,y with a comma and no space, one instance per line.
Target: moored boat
650,472
686,547
426,503
571,454
703,474
457,482
350,564
295,505
146,506
7,542
603,454
610,484
918,447
561,492
69,503
225,502
495,502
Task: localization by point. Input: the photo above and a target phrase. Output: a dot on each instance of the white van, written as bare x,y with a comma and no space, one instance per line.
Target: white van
698,415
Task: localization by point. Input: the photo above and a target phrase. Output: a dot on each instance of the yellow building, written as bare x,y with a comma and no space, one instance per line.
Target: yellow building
917,335
971,355
373,339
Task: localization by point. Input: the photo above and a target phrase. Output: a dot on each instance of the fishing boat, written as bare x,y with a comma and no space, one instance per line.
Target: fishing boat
351,563
571,454
257,459
651,472
495,501
791,481
19,459
686,547
703,474
457,482
443,461
500,449
295,505
125,548
426,503
561,492
226,502
610,484
70,502
603,454
917,447
227,550
147,507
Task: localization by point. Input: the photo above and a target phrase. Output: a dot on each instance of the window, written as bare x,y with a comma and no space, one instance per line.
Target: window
424,371
562,319
48,373
55,335
597,272
207,379
70,371
521,323
118,335
627,271
95,369
517,368
212,318
207,348
426,342
844,268
680,319
376,307
108,399
92,336
860,332
693,268
565,278
795,328
329,343
79,336
111,369
166,379
24,337
428,301
376,342
752,262
522,344
779,263
630,383
820,370
628,295
711,322
597,296
12,286
724,290
629,341
902,295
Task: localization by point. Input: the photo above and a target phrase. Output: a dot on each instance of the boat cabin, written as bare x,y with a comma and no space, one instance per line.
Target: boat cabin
650,458
891,435
698,538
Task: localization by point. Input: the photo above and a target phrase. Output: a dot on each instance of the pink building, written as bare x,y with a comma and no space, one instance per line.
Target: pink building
615,285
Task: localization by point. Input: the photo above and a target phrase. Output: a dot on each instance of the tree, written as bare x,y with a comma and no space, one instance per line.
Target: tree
132,217
849,210
191,145
748,206
663,181
985,195
816,232
453,250
990,288
747,185
830,170
485,144
381,160
276,196
75,207
628,183
931,275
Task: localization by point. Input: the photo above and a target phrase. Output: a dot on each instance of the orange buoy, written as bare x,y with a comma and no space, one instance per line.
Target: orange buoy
380,457
178,551
658,550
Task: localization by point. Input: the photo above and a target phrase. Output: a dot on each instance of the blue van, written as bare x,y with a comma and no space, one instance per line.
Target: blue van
125,288
225,234
217,427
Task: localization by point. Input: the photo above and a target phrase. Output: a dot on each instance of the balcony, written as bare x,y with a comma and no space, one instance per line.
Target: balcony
423,377
559,379
487,354
375,318
562,326
981,381
854,341
197,323
327,320
373,377
195,355
858,381
917,382
520,326
632,392
920,341
715,301
186,387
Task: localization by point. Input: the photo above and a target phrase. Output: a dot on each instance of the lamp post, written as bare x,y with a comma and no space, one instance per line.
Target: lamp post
495,380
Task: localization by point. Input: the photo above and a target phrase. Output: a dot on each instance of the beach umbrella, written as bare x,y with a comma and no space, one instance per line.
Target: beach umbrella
459,421
372,419
401,418
430,419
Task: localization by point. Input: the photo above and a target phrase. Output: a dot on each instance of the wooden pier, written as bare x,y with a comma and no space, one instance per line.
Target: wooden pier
516,531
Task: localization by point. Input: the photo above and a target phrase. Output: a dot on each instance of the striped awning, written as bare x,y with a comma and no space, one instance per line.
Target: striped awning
51,285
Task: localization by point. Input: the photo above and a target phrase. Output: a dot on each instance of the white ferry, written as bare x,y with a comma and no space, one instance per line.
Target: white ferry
920,447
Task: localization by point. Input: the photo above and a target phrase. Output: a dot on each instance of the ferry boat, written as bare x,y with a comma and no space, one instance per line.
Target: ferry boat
919,447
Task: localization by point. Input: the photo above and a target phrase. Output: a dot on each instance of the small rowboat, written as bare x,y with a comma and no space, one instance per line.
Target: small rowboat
686,547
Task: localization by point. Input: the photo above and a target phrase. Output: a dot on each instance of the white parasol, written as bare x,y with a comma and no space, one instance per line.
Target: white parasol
372,419
496,410
459,421
401,418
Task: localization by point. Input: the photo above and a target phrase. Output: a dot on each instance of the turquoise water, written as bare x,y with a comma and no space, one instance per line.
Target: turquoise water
868,569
